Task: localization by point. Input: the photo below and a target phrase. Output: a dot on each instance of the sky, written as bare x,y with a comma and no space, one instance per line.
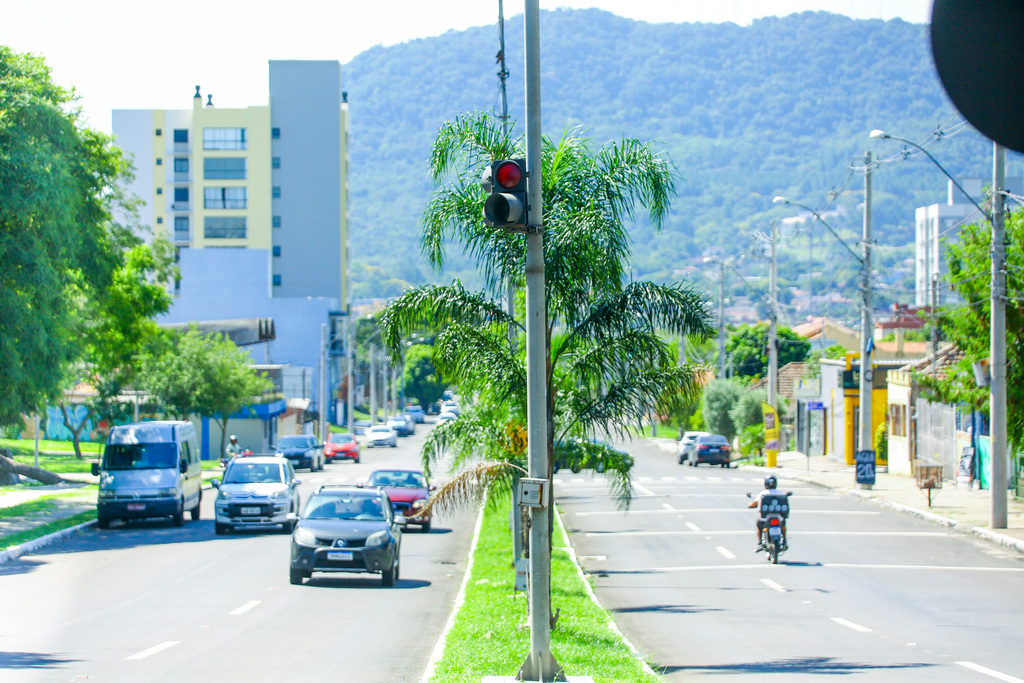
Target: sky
134,54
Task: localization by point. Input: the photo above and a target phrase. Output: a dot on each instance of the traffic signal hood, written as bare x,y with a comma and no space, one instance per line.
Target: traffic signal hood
507,204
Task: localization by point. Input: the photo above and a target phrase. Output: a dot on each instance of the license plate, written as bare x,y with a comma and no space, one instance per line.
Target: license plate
135,507
713,451
774,531
339,555
250,511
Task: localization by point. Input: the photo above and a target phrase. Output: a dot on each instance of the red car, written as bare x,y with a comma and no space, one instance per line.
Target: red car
408,489
341,446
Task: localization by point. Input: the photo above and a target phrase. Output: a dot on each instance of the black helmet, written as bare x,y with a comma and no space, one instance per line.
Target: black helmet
770,482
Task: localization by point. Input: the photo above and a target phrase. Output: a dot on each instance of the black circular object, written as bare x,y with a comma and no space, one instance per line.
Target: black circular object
978,47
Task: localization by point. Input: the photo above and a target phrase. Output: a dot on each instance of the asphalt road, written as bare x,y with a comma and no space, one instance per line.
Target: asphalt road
862,593
149,602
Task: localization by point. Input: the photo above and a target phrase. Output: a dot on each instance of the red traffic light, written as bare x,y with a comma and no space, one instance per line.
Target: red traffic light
508,175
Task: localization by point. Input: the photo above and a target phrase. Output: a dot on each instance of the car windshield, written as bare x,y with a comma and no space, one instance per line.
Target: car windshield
398,480
295,442
139,456
341,438
332,506
380,430
252,473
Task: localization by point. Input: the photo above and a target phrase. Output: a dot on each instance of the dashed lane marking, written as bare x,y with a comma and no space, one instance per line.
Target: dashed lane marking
724,552
774,586
595,513
849,624
244,608
166,645
991,672
692,527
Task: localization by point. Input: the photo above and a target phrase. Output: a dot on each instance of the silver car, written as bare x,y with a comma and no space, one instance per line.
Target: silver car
257,492
381,435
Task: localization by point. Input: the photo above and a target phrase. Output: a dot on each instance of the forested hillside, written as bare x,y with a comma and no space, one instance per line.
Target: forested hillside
746,112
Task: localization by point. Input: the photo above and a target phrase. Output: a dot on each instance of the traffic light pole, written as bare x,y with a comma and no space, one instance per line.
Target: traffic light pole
540,664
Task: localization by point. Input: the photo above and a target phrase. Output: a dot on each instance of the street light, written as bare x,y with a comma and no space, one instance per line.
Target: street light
997,340
721,313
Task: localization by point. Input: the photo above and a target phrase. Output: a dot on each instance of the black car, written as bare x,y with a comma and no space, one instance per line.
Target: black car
303,450
713,449
347,529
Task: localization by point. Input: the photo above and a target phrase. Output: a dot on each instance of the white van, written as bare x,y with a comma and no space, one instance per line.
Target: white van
149,469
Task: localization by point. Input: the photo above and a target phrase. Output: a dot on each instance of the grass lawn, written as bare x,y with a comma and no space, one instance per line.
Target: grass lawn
490,637
49,528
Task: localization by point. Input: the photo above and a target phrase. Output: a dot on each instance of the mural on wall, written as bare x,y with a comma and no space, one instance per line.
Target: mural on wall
95,430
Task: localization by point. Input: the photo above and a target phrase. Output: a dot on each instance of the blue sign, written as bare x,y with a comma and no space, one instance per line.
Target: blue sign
865,462
815,405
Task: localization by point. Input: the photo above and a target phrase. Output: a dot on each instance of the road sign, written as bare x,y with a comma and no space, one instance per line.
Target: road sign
815,405
865,462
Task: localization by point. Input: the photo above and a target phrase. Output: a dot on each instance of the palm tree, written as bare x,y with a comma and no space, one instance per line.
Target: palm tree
609,365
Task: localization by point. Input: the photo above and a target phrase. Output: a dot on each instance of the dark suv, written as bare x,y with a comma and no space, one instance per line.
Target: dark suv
713,449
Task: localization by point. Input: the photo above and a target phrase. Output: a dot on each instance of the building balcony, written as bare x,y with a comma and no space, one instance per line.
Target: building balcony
185,177
182,237
181,206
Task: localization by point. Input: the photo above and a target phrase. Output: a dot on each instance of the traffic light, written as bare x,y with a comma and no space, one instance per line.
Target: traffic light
506,181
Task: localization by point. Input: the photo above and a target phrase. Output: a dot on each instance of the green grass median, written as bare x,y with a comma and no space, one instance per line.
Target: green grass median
490,636
45,529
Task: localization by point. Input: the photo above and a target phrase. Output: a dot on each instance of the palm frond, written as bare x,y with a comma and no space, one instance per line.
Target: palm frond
482,360
469,487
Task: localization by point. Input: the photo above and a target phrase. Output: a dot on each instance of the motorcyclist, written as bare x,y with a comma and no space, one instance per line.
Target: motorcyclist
771,485
232,449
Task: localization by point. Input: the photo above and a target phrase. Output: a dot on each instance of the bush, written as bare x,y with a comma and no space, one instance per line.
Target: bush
882,443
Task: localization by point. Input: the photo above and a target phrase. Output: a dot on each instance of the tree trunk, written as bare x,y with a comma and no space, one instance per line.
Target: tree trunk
76,432
7,464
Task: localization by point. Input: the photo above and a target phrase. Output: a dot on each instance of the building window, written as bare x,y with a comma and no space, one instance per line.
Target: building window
224,227
224,168
225,198
159,190
159,220
275,133
159,131
181,164
897,420
180,194
275,191
277,250
275,162
181,225
159,161
224,138
277,280
276,221
181,134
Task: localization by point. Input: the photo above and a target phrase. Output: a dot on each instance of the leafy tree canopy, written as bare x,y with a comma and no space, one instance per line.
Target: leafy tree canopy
748,345
423,384
720,397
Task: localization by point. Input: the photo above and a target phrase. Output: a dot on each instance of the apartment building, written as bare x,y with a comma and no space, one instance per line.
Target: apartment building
255,200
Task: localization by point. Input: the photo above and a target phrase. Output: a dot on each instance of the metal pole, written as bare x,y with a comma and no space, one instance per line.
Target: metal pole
865,442
350,394
773,332
323,382
721,320
997,396
373,392
540,664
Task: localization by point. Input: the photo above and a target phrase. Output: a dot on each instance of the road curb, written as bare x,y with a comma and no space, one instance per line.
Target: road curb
16,551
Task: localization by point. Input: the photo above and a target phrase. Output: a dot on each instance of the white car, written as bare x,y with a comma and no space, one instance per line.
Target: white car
686,444
451,407
447,415
381,435
257,491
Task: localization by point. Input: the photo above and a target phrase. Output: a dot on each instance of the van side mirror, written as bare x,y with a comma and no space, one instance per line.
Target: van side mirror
183,466
95,469
215,483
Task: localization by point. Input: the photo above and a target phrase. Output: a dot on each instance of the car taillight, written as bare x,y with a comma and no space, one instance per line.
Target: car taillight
774,522
725,448
702,447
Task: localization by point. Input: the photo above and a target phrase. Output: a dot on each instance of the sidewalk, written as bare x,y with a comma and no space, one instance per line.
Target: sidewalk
965,510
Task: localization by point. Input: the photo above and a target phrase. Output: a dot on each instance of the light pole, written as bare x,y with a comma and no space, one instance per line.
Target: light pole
867,336
721,313
997,340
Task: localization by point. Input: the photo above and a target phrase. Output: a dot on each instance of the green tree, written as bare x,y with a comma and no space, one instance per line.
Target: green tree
423,384
721,396
747,410
57,240
749,348
608,364
968,326
192,373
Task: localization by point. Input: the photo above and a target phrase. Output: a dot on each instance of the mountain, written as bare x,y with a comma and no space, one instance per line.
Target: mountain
780,107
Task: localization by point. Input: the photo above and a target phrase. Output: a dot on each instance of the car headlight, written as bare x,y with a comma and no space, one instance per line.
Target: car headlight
304,536
418,504
167,492
223,495
105,493
377,539
278,495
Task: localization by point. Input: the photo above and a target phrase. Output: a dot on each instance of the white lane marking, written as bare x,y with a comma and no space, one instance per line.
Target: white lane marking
166,645
648,492
692,527
670,479
594,558
850,624
644,491
990,672
724,552
823,565
244,608
774,586
668,507
912,534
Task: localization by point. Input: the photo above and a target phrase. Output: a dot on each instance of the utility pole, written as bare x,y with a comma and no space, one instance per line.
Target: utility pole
373,382
867,337
997,386
350,353
322,399
721,320
540,664
773,321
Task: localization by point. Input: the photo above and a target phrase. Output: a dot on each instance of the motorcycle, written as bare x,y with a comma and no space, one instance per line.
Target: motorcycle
228,458
774,509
